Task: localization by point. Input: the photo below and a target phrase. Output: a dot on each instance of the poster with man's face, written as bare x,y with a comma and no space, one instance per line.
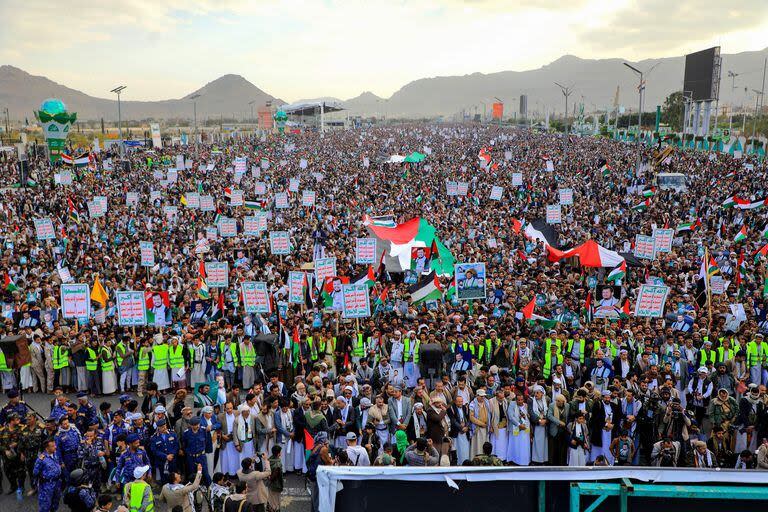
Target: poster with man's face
608,301
420,259
158,306
470,281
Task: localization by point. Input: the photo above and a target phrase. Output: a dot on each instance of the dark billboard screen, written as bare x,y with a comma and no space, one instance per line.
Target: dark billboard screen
699,74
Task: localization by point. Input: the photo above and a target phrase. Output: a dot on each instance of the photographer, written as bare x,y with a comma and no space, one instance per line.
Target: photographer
666,453
218,491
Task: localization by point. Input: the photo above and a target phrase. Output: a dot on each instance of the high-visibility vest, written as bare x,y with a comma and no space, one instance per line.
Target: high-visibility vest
488,348
359,349
407,350
610,348
548,363
160,353
756,356
708,357
722,353
548,343
107,365
232,350
138,488
3,364
569,349
480,351
176,356
119,351
143,363
312,348
92,363
60,357
248,355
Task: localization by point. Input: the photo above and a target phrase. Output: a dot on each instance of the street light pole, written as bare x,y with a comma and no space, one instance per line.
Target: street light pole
194,106
117,90
567,91
640,88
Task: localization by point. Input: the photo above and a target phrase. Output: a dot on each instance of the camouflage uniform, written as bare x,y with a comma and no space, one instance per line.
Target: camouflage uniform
10,451
31,444
487,460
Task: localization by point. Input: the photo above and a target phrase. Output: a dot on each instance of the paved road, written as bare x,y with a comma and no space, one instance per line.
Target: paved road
295,498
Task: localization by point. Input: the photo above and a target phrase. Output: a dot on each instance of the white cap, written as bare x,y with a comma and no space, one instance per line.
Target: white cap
140,471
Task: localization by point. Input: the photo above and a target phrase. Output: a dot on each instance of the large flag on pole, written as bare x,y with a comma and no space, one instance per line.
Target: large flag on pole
397,242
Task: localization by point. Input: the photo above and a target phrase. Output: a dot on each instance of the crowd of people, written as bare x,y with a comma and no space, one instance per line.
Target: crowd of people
217,404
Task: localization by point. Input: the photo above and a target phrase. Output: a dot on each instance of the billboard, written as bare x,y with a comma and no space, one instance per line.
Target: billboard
498,111
702,74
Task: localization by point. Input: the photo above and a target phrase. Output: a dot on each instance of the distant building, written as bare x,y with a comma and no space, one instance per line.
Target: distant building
523,106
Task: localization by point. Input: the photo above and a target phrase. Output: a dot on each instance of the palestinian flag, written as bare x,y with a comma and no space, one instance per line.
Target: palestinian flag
590,254
252,205
382,298
516,226
202,287
426,289
80,161
729,202
327,292
625,312
74,215
618,272
528,314
588,308
741,235
605,170
8,283
764,233
641,207
485,157
763,251
751,205
387,221
396,243
649,192
741,275
688,226
309,444
367,277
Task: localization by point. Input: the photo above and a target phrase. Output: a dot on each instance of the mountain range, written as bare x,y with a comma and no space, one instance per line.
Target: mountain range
594,83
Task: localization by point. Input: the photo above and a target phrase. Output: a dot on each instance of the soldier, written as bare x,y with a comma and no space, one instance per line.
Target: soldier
10,437
487,458
164,446
92,452
132,458
79,495
14,405
85,412
47,471
68,441
193,444
30,445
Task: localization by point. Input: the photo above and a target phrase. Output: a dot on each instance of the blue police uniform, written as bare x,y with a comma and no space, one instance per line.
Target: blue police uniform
47,471
58,412
143,434
215,425
20,408
67,446
129,461
194,452
162,446
112,432
85,413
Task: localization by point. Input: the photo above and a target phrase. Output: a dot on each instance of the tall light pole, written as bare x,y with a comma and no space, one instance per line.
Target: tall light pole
758,94
484,111
251,104
567,91
117,90
640,89
194,106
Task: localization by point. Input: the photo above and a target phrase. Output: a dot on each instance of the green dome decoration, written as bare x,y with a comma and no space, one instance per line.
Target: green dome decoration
53,106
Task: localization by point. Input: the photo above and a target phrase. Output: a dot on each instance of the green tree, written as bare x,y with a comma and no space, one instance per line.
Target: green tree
672,111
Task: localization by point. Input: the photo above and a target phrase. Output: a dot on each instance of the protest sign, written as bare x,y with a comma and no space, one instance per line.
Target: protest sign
644,247
470,281
255,297
65,275
75,300
251,226
554,214
211,233
356,301
94,210
227,227
44,229
279,242
173,175
718,285
324,267
154,195
131,309
66,177
179,161
550,166
293,185
170,211
207,204
308,198
566,196
193,200
496,193
217,274
260,188
452,188
663,239
517,179
651,300
462,188
365,251
147,251
241,165
303,163
281,200
131,198
296,287
236,198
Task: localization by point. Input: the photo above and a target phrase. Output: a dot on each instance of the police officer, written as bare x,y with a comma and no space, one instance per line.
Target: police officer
165,450
132,458
85,412
47,471
193,444
30,445
14,405
68,441
79,496
10,437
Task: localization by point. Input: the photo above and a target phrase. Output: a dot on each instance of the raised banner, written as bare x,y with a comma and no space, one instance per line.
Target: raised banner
566,196
462,188
554,214
94,210
255,297
296,287
281,200
75,300
227,227
217,274
651,300
131,310
550,166
470,281
131,199
193,200
260,188
356,301
324,267
207,204
147,251
663,239
496,193
293,185
365,251
279,242
452,188
251,226
308,198
236,198
241,165
644,247
517,179
44,229
211,233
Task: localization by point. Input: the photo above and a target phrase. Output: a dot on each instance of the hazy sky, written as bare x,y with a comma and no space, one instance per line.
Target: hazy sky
308,48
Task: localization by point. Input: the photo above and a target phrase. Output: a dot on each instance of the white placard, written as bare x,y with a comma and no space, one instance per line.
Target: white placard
75,300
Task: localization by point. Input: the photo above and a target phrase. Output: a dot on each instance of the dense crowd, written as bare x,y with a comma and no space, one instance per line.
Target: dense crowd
222,396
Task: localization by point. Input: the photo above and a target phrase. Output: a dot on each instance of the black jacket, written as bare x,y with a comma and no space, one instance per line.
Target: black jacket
597,422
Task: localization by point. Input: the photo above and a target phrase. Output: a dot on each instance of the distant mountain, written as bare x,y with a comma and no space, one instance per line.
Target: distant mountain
228,95
594,83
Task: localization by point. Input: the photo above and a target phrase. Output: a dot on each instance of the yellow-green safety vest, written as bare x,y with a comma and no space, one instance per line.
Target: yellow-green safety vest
407,351
143,364
107,365
247,355
359,349
569,349
312,348
160,353
548,364
233,351
176,356
119,351
3,364
722,353
92,363
138,488
60,357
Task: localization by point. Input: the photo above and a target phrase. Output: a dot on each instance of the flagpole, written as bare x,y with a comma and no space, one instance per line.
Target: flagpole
706,284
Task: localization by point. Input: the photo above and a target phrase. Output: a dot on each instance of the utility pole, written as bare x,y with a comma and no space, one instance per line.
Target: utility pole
567,91
640,88
117,90
194,106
